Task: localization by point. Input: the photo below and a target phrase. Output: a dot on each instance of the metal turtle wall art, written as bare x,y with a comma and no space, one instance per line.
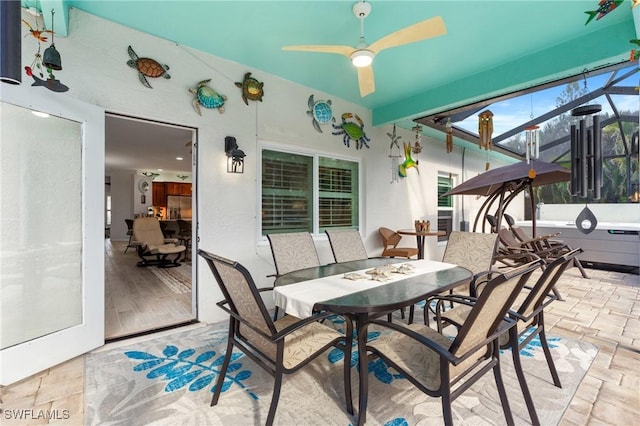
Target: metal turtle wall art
252,89
207,97
320,112
352,131
147,67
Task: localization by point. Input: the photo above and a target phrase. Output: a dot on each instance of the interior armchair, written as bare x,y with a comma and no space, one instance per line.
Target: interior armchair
154,248
279,347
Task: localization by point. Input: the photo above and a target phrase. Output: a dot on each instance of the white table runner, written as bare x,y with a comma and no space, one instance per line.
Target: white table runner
298,299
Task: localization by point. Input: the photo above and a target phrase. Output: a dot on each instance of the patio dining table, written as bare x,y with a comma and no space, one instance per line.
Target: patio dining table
324,288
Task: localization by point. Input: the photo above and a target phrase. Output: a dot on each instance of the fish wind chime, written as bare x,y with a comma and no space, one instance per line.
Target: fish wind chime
485,129
50,61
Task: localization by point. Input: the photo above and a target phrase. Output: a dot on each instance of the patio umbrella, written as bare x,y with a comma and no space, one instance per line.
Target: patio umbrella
504,183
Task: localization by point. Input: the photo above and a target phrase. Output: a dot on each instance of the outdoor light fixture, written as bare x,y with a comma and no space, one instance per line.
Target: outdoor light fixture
10,42
51,58
235,156
362,58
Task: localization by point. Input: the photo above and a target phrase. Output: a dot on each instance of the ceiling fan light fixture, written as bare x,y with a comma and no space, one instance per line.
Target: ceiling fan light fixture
362,58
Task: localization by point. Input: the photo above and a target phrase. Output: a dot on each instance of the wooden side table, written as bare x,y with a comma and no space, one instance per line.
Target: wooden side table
420,237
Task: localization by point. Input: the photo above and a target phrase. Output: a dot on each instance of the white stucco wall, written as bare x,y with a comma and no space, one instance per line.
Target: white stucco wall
94,59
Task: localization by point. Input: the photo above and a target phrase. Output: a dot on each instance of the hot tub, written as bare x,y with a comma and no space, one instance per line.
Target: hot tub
611,243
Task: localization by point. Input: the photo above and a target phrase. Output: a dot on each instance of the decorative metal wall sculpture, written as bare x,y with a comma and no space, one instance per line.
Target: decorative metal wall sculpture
408,161
394,155
352,131
604,7
147,67
320,112
252,89
207,97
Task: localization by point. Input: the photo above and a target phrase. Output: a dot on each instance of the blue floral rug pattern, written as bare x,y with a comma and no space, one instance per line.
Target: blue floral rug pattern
170,380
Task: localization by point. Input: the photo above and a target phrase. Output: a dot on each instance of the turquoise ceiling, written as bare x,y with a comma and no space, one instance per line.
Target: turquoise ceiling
491,47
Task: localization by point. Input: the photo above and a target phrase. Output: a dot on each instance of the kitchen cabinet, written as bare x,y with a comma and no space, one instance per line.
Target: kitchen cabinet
161,190
159,194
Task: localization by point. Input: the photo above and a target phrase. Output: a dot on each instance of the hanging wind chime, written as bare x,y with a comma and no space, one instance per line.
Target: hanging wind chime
485,129
449,144
532,148
50,60
394,155
532,143
449,137
417,143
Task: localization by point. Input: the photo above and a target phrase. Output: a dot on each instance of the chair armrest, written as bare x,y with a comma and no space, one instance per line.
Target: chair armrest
303,322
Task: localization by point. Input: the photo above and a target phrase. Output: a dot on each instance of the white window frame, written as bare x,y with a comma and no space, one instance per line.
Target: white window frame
452,209
315,154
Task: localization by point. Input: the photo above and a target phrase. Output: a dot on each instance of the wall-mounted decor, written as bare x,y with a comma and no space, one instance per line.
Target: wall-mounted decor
252,89
352,131
604,7
416,149
207,97
320,112
408,161
394,154
152,175
235,156
147,67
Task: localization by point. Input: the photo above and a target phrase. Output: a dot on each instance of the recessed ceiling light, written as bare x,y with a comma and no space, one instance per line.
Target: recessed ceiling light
160,170
40,114
179,158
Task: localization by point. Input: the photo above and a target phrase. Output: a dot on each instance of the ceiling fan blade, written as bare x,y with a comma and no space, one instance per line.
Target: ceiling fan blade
431,27
340,50
366,81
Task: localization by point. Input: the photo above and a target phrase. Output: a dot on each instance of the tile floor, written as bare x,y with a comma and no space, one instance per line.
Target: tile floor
604,310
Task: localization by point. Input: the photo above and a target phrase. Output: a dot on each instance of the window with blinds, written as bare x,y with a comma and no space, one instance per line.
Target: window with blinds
445,206
288,190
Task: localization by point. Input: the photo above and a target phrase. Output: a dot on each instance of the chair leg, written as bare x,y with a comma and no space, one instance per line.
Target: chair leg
223,370
447,414
500,385
276,396
517,365
577,263
412,310
547,353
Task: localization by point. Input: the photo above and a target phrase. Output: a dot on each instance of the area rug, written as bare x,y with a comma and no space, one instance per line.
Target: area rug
177,279
169,381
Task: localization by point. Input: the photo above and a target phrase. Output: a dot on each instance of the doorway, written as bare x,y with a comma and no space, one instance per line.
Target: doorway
150,168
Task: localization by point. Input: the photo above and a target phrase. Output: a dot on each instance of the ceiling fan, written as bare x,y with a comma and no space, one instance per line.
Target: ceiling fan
362,55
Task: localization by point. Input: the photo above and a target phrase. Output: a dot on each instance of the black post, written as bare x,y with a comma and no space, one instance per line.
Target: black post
10,42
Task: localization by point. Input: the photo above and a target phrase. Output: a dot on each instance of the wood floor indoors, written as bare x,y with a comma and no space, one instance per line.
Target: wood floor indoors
136,300
604,310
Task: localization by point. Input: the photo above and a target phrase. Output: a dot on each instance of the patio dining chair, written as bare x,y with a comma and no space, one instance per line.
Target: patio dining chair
528,311
291,252
346,245
471,250
390,240
279,347
445,368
